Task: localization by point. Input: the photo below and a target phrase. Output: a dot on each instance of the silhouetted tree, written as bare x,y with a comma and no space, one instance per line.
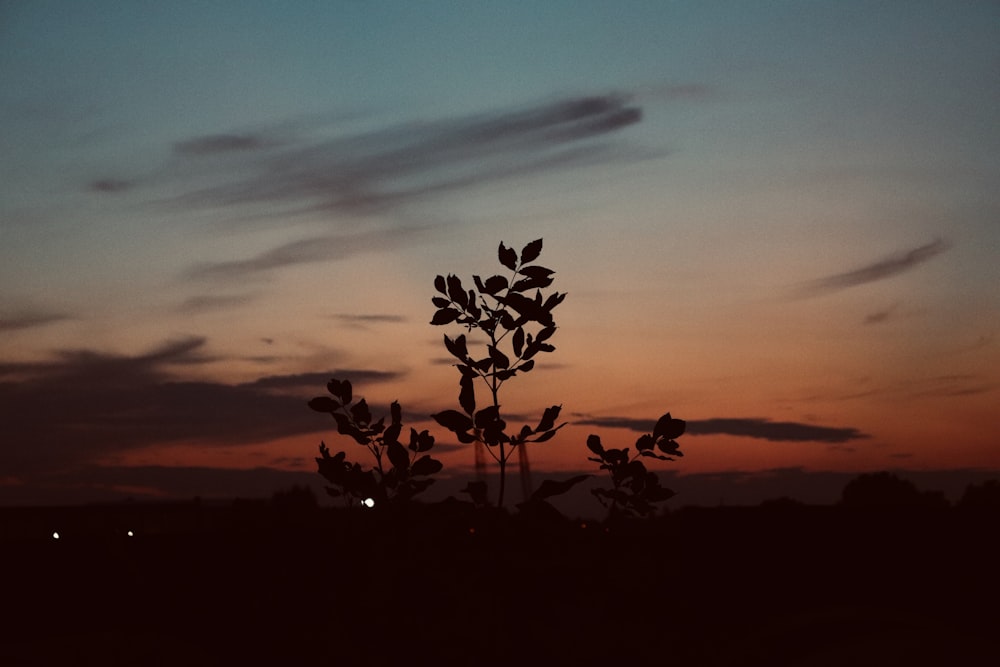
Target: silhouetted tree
297,498
885,489
985,496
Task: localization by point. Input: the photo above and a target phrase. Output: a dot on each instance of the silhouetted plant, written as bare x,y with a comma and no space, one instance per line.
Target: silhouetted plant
517,328
635,490
408,469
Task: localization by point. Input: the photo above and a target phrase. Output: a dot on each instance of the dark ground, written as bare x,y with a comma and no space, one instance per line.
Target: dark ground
783,585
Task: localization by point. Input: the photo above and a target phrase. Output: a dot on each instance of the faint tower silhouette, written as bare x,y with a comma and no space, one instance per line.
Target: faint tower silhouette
523,464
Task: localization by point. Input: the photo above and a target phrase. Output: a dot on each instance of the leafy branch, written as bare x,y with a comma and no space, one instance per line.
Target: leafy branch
518,326
635,489
400,472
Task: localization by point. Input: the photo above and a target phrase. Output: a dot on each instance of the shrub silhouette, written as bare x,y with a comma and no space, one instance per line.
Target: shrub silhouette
885,489
517,324
409,467
634,488
982,497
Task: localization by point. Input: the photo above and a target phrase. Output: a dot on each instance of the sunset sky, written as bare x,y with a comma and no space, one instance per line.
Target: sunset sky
779,221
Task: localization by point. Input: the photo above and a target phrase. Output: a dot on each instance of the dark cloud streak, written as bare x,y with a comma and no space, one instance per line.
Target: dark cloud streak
384,168
212,303
308,251
763,429
221,143
83,405
880,270
318,380
29,320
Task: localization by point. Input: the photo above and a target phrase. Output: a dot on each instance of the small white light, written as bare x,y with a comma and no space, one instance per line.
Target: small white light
55,536
368,502
130,534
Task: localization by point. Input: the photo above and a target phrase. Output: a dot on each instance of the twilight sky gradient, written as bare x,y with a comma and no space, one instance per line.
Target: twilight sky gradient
777,220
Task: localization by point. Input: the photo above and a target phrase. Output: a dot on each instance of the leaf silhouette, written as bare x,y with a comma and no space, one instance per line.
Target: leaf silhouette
458,347
535,277
324,404
669,428
391,434
445,316
397,455
362,415
549,418
531,251
340,389
487,416
425,465
517,342
495,284
549,488
456,292
421,442
453,420
670,447
645,442
527,308
507,256
500,359
467,394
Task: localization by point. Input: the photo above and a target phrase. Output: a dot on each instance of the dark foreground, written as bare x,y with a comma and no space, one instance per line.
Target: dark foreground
725,586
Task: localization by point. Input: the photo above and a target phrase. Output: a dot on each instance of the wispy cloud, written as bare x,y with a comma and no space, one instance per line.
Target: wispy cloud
307,251
212,303
880,316
29,320
362,321
940,386
386,167
879,270
766,429
759,428
222,143
109,185
316,382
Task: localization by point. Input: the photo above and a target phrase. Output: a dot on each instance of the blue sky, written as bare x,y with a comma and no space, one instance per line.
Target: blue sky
763,213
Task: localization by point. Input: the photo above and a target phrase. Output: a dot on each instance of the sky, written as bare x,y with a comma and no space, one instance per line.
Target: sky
776,220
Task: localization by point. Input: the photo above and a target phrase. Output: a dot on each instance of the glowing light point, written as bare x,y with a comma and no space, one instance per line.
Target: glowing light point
55,535
368,502
130,534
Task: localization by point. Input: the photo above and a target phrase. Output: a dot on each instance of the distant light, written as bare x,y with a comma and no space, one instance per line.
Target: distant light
130,534
368,502
55,536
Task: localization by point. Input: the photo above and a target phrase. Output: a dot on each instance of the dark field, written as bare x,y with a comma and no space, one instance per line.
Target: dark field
249,585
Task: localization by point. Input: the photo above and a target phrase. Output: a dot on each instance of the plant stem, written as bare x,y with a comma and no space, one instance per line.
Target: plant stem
495,390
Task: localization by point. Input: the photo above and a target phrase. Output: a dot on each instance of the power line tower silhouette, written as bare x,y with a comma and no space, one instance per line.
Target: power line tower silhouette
524,467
